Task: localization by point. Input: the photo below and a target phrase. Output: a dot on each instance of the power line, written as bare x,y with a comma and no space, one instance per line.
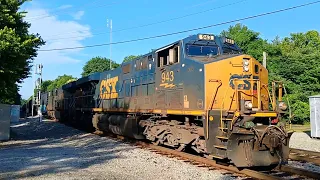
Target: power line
194,29
149,17
158,22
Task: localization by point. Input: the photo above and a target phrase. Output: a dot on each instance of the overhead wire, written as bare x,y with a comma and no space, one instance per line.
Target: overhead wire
103,28
154,23
184,31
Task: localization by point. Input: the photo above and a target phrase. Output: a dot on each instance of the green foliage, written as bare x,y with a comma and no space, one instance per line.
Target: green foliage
24,101
250,42
45,85
293,60
97,64
18,48
129,58
60,81
9,94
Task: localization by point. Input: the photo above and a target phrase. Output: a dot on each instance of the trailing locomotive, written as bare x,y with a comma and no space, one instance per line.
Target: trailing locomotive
197,93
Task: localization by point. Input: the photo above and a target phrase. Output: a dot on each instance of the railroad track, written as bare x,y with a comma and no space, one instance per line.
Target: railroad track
283,172
305,156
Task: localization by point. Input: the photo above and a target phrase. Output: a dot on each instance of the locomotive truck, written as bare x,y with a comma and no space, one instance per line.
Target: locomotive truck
200,93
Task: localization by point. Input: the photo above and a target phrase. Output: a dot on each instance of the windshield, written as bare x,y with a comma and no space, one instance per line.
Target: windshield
227,50
198,50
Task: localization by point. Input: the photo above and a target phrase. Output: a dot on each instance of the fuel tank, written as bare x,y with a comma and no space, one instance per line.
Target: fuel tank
121,125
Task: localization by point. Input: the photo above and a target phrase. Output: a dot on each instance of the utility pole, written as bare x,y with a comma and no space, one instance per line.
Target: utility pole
36,101
34,86
110,41
264,62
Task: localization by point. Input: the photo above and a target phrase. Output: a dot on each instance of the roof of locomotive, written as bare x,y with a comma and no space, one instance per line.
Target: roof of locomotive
199,38
91,77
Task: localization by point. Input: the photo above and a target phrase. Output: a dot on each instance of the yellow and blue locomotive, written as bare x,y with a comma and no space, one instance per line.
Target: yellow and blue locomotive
197,93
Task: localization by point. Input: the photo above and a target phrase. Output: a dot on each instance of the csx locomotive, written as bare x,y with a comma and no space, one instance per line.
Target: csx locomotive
200,93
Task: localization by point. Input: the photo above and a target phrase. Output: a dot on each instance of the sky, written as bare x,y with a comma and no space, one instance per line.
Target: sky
74,23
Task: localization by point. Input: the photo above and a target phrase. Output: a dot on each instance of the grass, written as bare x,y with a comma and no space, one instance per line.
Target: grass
301,128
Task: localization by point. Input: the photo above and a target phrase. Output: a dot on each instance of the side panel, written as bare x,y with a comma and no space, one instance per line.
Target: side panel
222,76
129,88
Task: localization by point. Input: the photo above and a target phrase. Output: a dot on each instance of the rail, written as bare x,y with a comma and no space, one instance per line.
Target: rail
259,86
281,172
304,155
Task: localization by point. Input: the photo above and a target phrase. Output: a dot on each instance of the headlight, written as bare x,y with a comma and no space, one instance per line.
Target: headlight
246,64
248,105
282,106
246,68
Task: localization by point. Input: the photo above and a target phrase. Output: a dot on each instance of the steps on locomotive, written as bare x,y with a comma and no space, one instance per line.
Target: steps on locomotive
222,136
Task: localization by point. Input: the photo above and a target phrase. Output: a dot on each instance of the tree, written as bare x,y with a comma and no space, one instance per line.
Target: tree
97,64
299,65
60,81
18,48
130,58
45,85
293,60
249,41
24,101
9,94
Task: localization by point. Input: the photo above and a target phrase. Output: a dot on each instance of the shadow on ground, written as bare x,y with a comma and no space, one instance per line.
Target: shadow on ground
50,147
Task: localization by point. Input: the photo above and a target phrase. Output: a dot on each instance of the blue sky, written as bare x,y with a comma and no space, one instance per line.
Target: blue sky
80,22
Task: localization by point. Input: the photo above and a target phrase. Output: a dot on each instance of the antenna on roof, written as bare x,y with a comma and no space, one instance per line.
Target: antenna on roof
110,40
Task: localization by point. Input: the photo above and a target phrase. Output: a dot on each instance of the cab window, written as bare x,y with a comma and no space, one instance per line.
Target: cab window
198,50
169,56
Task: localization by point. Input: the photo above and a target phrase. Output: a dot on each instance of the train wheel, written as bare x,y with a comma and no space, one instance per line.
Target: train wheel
95,122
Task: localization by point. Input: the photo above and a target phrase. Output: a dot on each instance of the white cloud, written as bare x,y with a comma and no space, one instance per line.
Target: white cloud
53,28
78,15
67,6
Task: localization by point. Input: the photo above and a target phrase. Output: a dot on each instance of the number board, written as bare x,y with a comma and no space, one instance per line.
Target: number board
206,37
167,76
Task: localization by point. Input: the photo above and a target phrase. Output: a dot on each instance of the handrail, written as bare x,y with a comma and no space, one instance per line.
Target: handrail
290,113
269,95
237,96
222,104
215,94
260,85
211,103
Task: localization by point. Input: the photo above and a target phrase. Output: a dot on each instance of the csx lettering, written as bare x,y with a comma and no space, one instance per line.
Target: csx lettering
246,85
167,76
108,88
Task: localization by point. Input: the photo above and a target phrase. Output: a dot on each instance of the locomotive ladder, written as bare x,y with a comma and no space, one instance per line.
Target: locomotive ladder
222,136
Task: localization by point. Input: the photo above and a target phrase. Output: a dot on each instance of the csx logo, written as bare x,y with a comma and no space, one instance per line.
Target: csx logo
246,85
108,88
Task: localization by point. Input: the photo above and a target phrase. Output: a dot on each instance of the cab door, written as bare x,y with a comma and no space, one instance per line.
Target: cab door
168,94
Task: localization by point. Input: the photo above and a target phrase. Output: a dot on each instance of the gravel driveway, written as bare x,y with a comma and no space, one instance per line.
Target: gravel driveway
50,150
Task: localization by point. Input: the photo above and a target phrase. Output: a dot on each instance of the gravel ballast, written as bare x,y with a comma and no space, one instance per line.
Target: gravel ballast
50,150
301,140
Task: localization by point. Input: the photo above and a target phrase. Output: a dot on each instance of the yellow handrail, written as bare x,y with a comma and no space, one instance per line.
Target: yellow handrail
237,97
214,95
222,104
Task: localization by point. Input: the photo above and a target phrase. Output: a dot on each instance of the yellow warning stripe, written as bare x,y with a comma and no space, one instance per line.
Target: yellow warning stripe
264,114
157,111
